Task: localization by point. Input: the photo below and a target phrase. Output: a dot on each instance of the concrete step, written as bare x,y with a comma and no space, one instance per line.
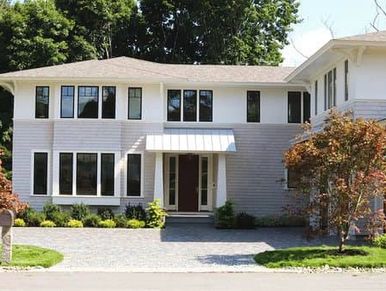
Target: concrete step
199,218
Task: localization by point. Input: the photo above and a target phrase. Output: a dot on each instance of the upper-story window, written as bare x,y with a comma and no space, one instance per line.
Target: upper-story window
42,101
346,80
135,103
253,106
88,101
330,89
299,107
192,99
108,102
67,102
316,97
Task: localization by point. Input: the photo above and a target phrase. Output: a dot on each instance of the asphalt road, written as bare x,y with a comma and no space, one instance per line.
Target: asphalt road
51,281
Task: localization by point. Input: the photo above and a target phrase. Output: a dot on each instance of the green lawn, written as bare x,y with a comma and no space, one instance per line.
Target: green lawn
362,257
31,256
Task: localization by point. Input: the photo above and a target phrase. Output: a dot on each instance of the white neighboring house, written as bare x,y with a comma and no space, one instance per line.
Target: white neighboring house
119,131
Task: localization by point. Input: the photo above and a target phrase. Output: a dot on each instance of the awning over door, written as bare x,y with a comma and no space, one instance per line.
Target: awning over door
192,140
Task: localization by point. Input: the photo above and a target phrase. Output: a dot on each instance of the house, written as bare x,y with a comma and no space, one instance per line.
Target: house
122,130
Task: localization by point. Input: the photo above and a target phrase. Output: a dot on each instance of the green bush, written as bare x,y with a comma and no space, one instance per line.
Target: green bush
108,223
121,220
92,220
19,222
380,241
50,210
60,218
135,223
34,218
135,212
279,221
225,216
47,223
155,215
245,221
80,211
73,223
105,213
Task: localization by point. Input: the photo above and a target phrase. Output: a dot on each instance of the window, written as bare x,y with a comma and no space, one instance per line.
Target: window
67,102
306,107
42,101
330,89
174,105
190,105
253,106
107,174
316,97
108,102
86,174
135,103
40,173
291,179
346,80
172,180
206,105
88,102
204,180
294,107
133,175
65,173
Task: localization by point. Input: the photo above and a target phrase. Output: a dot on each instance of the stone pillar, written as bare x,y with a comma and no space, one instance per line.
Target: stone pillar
6,234
159,179
221,196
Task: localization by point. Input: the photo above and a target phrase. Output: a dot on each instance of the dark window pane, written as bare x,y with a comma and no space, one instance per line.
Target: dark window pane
346,80
88,102
107,174
86,174
174,105
206,105
306,107
294,107
134,175
40,173
42,102
67,102
190,105
172,180
108,102
334,88
325,92
329,90
135,103
253,106
292,179
204,181
65,174
316,97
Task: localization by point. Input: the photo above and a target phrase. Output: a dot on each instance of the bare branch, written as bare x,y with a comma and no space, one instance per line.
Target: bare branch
329,25
297,50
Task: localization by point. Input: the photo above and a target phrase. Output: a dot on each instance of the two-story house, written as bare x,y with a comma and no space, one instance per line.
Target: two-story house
118,131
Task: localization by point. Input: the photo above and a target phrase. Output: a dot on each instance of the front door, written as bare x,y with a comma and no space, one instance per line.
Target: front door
188,183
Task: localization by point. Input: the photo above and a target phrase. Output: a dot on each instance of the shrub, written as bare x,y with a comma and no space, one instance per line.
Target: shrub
279,221
105,213
60,218
19,222
380,241
121,220
47,223
108,223
225,215
50,210
92,220
73,223
80,211
34,218
135,212
245,221
135,223
155,215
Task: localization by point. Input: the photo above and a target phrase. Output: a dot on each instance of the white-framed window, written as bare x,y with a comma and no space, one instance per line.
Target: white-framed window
330,89
40,172
299,107
134,174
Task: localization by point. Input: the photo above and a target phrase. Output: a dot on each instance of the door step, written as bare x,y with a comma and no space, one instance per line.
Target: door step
190,218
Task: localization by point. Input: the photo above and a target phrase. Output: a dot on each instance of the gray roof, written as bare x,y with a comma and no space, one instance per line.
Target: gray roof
372,36
126,68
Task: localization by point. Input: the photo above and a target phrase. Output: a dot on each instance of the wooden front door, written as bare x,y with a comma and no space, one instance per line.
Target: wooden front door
188,183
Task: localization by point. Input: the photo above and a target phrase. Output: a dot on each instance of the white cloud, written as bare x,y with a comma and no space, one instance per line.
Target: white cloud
307,43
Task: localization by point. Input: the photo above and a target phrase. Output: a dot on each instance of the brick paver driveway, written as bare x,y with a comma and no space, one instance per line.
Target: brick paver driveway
193,248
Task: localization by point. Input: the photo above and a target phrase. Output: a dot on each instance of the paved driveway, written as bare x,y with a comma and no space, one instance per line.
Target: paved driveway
193,248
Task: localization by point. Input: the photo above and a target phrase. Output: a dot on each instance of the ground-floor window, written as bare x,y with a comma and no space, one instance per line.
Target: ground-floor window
40,173
134,174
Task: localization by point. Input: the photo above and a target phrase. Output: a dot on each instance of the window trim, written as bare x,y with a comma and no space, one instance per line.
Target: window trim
131,152
48,173
48,104
61,102
102,103
259,103
99,113
128,104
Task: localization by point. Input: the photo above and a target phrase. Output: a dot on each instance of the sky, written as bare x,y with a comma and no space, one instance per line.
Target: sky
345,17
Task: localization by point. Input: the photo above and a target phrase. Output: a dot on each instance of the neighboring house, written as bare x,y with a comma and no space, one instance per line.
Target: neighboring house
118,131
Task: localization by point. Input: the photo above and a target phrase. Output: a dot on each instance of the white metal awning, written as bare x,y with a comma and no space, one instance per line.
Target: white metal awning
192,140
